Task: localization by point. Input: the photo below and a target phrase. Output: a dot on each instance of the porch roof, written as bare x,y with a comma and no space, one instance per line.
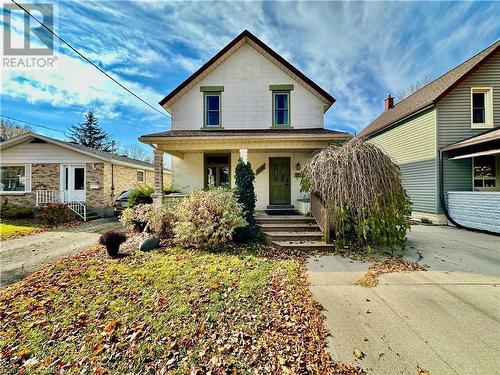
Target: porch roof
486,143
177,142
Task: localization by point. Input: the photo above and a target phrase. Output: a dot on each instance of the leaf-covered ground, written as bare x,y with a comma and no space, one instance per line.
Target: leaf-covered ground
389,265
172,311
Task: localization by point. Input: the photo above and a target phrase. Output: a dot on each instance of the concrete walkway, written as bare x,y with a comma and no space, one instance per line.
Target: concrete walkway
21,256
445,320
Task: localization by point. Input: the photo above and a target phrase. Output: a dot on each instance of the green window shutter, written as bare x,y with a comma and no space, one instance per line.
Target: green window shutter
211,88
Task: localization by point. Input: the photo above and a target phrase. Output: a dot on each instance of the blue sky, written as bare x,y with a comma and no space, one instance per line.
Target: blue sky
357,51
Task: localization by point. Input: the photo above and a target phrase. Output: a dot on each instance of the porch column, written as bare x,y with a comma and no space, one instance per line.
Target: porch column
158,165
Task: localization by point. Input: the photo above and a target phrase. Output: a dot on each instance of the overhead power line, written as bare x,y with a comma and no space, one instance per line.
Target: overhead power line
90,62
32,124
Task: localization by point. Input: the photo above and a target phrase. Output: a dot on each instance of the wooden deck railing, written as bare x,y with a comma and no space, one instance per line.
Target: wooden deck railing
320,213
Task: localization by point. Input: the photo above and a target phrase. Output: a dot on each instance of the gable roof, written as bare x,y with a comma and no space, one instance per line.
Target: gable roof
98,154
234,44
430,94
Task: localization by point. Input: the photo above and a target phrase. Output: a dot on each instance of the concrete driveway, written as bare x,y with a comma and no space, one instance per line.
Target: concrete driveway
21,256
445,320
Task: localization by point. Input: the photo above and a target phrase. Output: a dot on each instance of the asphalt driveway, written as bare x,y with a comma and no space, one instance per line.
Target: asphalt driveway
21,256
445,320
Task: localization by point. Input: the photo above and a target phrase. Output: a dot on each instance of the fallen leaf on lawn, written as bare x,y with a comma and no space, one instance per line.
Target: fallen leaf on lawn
98,349
358,354
23,353
110,326
215,286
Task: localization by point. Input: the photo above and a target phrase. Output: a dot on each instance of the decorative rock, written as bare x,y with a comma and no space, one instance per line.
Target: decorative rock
150,244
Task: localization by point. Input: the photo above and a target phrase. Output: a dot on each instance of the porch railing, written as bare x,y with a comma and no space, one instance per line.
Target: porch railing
47,196
320,214
54,196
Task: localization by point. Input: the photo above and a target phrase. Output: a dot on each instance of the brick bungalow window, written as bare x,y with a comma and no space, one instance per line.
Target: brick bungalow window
15,178
140,176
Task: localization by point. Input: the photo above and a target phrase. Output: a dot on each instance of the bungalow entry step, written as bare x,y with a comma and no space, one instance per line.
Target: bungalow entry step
292,231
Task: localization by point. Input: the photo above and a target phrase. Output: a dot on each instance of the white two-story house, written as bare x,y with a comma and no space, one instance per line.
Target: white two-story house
247,101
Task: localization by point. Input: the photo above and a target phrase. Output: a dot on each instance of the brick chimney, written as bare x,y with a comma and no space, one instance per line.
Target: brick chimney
388,102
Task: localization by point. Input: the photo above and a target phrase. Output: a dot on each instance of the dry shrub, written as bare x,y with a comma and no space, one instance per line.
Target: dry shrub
361,187
208,218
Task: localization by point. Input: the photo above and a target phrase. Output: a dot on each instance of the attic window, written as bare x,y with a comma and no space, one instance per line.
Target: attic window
481,107
281,108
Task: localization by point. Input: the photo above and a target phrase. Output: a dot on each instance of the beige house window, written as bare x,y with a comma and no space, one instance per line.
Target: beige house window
481,107
484,169
140,175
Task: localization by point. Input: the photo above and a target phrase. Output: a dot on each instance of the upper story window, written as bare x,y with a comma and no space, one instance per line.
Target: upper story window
485,171
281,104
212,109
481,107
212,106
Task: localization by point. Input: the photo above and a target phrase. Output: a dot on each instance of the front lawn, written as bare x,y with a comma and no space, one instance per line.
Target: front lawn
10,230
170,311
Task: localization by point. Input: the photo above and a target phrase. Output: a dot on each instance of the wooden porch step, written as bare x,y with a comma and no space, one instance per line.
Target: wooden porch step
280,207
290,227
282,219
293,236
304,245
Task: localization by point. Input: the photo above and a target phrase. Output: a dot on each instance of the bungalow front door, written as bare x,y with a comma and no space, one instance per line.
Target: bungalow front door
279,181
73,183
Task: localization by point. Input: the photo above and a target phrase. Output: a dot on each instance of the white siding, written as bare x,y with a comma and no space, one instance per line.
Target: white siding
246,100
475,210
42,153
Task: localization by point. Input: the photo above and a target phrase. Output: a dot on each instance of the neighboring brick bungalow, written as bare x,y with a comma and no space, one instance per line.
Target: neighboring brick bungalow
36,169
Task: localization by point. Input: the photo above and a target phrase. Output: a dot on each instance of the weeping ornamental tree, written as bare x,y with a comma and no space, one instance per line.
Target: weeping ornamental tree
362,190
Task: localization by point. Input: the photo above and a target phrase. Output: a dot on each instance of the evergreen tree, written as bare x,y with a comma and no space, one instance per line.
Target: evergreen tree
245,194
90,134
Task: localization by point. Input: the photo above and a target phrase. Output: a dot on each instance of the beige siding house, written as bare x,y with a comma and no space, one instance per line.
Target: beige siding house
246,102
36,169
446,139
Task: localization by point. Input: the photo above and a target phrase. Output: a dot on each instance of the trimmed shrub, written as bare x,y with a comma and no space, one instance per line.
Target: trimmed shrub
55,213
207,219
112,240
245,195
12,211
142,194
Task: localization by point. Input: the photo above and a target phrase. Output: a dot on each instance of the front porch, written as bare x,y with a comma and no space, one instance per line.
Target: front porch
204,158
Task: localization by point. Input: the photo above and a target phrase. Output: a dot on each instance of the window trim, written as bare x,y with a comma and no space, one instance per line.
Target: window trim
143,175
205,95
495,168
27,181
488,107
288,93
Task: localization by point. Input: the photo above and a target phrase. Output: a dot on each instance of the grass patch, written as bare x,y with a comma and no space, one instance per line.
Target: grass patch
177,311
11,230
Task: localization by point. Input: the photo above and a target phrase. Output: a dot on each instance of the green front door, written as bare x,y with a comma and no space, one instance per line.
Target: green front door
279,180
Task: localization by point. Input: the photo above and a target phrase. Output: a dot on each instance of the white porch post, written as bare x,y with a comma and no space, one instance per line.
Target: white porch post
158,165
